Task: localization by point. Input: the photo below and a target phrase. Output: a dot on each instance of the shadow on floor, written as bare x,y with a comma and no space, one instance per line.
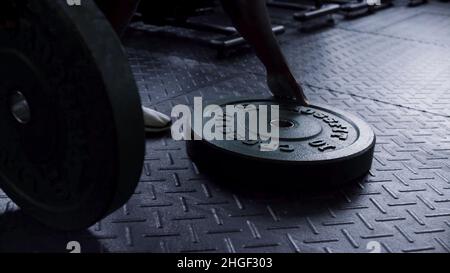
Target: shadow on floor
20,233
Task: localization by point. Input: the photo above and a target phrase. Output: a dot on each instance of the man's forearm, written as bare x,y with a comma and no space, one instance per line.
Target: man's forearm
252,20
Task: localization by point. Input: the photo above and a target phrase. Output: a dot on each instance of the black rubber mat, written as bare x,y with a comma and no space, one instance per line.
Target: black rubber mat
391,68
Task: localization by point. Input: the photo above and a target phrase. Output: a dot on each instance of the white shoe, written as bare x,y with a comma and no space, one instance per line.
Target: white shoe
155,121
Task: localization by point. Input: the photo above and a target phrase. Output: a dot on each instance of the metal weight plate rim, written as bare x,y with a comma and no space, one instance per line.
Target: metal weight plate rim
362,144
125,105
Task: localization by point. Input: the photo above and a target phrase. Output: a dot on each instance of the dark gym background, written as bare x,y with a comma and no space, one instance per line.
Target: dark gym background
391,68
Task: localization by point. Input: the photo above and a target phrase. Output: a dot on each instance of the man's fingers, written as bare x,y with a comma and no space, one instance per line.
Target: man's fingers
301,97
284,87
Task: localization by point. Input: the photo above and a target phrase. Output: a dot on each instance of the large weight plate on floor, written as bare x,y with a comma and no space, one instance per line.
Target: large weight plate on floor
319,145
72,139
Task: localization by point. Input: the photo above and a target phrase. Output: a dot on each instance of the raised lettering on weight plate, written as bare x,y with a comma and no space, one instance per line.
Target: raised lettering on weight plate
322,145
287,148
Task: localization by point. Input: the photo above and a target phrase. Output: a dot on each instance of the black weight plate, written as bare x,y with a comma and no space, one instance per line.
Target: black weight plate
318,144
72,138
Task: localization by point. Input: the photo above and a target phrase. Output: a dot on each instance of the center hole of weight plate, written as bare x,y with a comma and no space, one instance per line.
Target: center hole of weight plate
282,123
20,108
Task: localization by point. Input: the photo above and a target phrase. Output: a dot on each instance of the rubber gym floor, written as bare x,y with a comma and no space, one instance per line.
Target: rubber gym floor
391,68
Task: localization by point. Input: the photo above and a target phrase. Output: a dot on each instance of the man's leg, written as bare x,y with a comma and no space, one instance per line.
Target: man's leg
252,20
119,14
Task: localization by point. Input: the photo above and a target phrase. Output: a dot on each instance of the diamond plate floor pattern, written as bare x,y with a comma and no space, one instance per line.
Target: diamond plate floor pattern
391,68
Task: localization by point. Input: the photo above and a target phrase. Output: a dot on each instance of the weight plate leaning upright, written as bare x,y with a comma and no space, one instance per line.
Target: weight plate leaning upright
72,139
318,146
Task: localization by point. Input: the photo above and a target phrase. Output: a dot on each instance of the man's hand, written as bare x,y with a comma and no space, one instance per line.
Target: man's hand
285,86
